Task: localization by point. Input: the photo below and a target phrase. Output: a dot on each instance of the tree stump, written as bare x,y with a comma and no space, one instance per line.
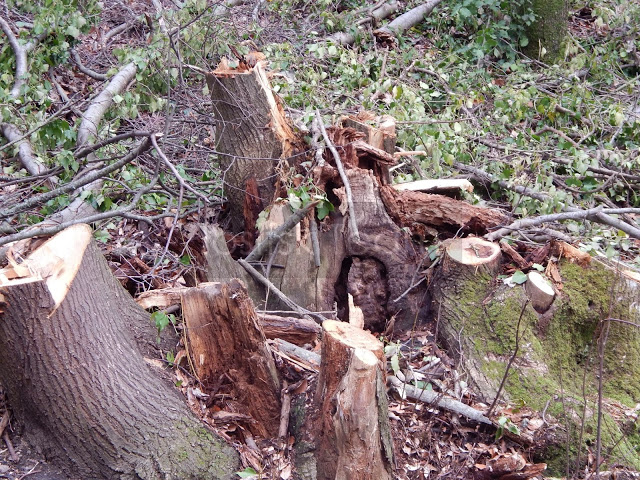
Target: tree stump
252,136
77,381
354,437
461,284
228,348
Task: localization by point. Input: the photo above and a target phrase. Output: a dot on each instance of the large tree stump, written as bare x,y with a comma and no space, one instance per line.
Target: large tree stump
461,284
354,436
228,347
77,381
252,136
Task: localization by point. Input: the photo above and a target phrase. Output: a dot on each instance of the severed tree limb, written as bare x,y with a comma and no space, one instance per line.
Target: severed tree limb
77,183
274,237
115,31
379,12
347,186
603,217
88,129
25,152
446,403
20,52
405,21
87,71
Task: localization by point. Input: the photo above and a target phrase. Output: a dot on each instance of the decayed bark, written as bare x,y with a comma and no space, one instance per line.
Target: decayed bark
77,381
253,133
227,345
439,212
354,436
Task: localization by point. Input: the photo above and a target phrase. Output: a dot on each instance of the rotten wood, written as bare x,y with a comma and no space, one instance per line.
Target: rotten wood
354,435
226,344
442,213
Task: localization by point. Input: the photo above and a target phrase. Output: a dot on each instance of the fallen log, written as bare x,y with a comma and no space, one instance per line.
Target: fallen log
438,212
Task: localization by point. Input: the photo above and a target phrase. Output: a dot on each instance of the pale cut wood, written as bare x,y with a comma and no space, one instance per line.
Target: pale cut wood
438,186
356,317
474,252
540,291
225,340
354,436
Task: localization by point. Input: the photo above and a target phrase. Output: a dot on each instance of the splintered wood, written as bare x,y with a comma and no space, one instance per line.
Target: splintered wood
228,349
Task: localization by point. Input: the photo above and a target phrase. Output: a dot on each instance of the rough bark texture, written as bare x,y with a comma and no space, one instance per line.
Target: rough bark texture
252,133
418,210
229,351
354,441
78,383
381,239
549,29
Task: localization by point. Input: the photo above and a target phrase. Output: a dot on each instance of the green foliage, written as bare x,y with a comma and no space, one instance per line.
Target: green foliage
505,423
162,320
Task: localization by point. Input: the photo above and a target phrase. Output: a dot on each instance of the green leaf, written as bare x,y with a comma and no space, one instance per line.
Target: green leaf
247,473
519,278
395,363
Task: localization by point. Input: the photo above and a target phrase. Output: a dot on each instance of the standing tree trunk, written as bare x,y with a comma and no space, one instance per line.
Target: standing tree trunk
548,31
77,381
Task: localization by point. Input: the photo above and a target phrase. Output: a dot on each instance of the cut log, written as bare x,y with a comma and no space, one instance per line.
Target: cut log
354,436
443,186
540,291
252,134
228,348
387,34
77,381
442,213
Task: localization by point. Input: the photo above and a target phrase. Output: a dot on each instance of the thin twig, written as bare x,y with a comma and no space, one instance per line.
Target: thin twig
343,175
513,357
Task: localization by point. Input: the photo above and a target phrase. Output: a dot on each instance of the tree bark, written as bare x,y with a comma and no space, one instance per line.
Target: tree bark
252,134
355,440
548,30
77,380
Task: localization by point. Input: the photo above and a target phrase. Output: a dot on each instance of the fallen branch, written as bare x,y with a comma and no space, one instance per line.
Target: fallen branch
20,52
404,22
25,152
603,217
374,15
87,71
347,186
431,397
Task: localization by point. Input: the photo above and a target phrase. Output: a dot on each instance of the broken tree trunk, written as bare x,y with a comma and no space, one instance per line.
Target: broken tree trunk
252,134
354,436
77,381
229,351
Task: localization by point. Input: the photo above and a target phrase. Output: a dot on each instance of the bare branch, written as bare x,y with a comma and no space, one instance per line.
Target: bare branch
87,71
